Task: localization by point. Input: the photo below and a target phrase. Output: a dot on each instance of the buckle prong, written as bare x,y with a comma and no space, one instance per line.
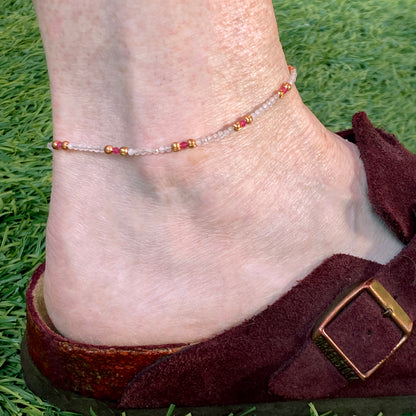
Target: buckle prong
388,313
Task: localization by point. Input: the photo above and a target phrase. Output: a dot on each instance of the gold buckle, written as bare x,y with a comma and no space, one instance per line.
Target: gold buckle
391,310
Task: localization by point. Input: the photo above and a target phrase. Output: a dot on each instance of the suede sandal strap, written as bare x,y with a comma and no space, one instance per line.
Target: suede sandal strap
255,359
364,331
235,367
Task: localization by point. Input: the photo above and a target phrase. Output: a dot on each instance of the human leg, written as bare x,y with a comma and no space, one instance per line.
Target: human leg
137,245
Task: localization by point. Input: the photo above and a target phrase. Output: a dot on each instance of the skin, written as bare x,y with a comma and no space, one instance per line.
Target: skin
178,247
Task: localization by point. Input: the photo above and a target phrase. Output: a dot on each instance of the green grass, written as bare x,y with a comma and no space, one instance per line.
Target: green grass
351,55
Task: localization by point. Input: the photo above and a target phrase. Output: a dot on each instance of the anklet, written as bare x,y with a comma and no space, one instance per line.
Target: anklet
190,143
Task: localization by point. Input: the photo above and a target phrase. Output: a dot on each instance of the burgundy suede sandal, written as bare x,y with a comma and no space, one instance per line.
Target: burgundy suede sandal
341,337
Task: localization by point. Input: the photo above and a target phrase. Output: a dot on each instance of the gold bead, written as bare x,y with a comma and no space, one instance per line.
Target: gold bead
192,143
288,86
291,68
108,149
55,145
280,94
65,145
248,118
175,147
124,151
237,126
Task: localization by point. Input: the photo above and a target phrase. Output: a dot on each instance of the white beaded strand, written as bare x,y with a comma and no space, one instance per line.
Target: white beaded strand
191,143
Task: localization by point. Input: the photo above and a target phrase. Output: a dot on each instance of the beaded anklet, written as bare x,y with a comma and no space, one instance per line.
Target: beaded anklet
188,144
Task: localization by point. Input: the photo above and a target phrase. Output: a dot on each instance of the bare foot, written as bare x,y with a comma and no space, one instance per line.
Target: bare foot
178,247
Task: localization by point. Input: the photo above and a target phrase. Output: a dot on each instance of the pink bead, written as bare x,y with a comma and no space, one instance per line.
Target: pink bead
283,89
183,145
116,150
243,123
59,145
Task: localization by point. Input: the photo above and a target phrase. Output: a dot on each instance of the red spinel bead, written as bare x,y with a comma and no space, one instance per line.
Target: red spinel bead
183,145
243,123
59,145
116,150
283,89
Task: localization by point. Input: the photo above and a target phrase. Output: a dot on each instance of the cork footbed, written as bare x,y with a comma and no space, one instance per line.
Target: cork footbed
39,304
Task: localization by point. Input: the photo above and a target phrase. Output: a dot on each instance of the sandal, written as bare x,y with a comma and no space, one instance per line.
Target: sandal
341,337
